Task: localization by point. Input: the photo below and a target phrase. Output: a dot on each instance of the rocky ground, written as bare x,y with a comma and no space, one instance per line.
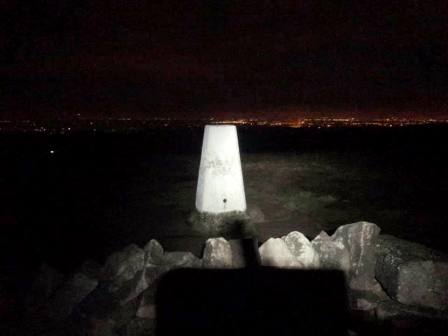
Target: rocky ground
393,286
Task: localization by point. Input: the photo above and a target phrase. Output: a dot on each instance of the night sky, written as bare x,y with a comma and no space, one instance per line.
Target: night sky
193,59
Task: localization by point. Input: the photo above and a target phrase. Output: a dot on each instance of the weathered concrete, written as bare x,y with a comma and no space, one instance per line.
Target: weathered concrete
217,253
220,186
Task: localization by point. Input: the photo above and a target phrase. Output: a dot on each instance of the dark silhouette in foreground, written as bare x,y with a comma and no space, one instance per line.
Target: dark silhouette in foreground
262,301
252,301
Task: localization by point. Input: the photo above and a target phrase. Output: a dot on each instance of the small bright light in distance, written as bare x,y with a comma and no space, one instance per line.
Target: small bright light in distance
51,151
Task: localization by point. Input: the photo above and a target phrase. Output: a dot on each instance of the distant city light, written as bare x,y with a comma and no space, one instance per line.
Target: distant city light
130,125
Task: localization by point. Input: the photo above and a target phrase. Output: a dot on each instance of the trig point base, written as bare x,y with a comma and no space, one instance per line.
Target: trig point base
220,196
220,186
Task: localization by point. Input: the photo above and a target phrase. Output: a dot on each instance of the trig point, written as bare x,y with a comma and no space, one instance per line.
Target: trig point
220,186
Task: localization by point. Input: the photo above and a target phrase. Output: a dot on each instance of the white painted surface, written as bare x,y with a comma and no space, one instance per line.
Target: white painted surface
220,184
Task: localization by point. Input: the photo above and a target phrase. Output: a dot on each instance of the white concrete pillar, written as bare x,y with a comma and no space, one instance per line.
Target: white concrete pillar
220,186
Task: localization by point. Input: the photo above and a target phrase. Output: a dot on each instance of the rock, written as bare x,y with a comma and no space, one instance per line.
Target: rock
238,257
124,315
102,328
153,252
100,303
301,249
133,288
154,273
275,252
292,250
245,253
108,295
146,310
333,255
411,273
360,240
217,253
140,327
180,259
47,281
366,300
147,307
365,304
70,295
389,309
411,320
122,266
105,304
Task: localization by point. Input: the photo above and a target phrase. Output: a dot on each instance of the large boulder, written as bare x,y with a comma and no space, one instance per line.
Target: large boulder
302,250
411,273
275,252
72,292
244,253
360,240
155,256
108,304
217,253
391,309
122,266
179,259
132,288
99,304
153,252
147,305
238,255
333,255
293,250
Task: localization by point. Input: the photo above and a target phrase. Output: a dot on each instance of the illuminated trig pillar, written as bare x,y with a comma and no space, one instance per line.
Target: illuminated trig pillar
220,184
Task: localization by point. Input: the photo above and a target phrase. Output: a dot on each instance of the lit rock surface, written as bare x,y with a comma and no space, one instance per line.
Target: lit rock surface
275,252
332,254
146,306
360,240
123,302
245,253
122,266
153,252
220,185
217,253
411,273
132,288
180,259
302,250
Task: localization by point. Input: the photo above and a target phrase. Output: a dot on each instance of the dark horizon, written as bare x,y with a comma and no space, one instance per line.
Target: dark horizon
201,59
